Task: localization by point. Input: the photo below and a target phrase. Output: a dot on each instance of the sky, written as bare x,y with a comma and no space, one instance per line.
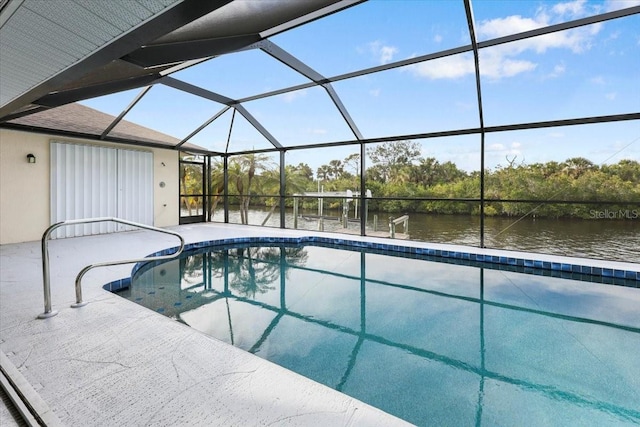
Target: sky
588,71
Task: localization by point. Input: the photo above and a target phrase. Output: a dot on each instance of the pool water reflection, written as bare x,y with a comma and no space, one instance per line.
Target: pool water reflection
430,342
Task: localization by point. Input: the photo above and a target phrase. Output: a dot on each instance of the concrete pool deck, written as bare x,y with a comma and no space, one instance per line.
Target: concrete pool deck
114,362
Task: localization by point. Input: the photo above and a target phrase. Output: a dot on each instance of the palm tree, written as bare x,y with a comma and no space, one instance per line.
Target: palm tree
216,186
576,166
190,183
242,170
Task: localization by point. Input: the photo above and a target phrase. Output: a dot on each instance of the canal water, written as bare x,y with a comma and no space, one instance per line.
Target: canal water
600,238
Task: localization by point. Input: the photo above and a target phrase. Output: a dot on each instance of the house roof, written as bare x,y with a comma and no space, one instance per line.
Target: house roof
80,120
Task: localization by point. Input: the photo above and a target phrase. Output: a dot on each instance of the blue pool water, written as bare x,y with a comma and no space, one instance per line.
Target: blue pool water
435,343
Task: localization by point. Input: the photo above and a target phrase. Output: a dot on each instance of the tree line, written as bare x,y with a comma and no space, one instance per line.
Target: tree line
401,180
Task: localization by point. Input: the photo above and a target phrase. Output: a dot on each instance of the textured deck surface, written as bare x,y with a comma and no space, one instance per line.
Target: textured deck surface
114,362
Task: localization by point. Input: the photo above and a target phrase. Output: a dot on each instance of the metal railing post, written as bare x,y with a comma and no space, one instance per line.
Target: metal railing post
46,283
392,228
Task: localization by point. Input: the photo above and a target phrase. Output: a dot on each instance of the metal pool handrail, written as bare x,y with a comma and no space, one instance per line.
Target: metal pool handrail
45,258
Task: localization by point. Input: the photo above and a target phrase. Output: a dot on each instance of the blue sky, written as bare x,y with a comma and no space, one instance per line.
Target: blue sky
588,71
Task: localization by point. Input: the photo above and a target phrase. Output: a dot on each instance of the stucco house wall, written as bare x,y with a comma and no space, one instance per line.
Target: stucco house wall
25,187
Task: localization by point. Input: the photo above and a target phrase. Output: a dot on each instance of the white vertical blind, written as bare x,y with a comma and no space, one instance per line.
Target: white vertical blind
90,181
135,186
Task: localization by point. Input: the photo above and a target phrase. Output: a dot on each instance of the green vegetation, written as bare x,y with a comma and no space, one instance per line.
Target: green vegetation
399,177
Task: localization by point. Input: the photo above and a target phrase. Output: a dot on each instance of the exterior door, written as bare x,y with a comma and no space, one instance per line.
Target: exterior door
192,197
89,181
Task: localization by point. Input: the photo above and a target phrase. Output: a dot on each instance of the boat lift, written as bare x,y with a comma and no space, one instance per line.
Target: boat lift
346,196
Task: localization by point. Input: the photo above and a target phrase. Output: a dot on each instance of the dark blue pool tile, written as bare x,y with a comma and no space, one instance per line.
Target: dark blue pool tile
537,267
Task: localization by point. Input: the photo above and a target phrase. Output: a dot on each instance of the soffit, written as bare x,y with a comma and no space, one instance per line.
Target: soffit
57,52
40,39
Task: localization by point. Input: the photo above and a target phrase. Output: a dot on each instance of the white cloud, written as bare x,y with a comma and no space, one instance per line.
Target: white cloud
498,149
611,96
577,40
374,92
599,80
559,69
451,67
615,35
437,38
573,9
510,25
506,60
292,96
496,66
382,53
611,5
318,131
454,67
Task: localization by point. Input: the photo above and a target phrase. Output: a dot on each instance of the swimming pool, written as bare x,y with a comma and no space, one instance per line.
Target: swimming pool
436,343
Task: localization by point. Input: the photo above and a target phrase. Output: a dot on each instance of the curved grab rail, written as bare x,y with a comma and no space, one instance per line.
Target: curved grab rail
45,258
